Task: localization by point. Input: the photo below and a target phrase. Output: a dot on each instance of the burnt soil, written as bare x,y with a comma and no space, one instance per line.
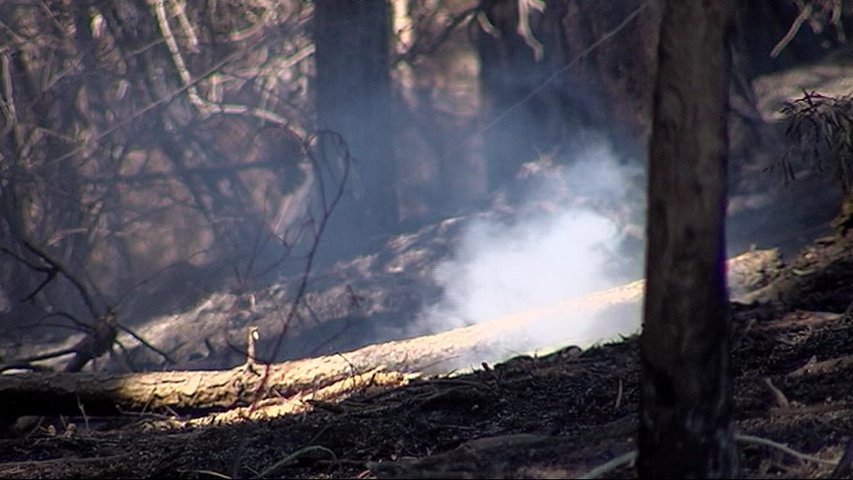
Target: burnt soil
555,416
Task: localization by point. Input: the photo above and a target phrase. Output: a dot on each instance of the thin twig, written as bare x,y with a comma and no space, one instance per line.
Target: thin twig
610,465
630,457
779,398
328,207
56,264
742,437
146,343
294,456
844,465
416,50
804,15
618,396
204,106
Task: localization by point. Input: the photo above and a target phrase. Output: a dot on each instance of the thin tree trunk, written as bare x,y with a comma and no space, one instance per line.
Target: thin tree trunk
685,427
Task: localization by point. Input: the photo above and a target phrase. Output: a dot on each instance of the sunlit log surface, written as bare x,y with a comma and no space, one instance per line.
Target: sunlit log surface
289,383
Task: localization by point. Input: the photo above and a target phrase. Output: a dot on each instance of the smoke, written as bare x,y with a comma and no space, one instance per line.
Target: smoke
562,241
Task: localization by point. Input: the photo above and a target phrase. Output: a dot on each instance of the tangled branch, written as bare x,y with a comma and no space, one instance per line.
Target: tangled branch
821,128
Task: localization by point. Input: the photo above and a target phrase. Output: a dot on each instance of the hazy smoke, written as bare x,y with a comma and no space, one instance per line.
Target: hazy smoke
561,243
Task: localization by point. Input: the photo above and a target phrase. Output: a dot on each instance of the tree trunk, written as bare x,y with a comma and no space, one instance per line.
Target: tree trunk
353,98
685,427
545,90
103,393
530,107
509,71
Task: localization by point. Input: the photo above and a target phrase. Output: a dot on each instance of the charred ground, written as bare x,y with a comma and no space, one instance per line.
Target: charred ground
559,415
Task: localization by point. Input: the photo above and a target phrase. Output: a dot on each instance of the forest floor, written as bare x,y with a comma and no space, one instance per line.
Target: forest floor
555,416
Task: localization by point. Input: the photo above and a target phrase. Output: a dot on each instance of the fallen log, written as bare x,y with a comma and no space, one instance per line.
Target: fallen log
75,393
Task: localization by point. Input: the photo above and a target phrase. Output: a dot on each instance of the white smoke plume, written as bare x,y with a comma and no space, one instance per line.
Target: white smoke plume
501,268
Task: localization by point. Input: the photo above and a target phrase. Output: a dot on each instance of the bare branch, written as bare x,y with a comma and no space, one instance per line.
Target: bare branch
805,13
205,107
315,242
58,266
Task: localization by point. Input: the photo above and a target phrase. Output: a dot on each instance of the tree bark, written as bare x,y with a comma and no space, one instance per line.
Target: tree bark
46,393
544,92
530,107
353,98
685,427
509,71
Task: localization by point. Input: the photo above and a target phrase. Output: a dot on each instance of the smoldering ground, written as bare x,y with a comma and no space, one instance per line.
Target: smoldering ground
564,239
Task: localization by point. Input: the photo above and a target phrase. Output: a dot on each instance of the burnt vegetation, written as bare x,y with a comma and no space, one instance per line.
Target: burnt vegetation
821,127
235,236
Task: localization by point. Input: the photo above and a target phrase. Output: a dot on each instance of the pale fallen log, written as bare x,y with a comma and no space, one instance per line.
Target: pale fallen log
46,393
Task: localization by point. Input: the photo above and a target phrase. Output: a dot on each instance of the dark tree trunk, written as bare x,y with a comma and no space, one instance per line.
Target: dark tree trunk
509,72
685,427
353,98
529,110
544,92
